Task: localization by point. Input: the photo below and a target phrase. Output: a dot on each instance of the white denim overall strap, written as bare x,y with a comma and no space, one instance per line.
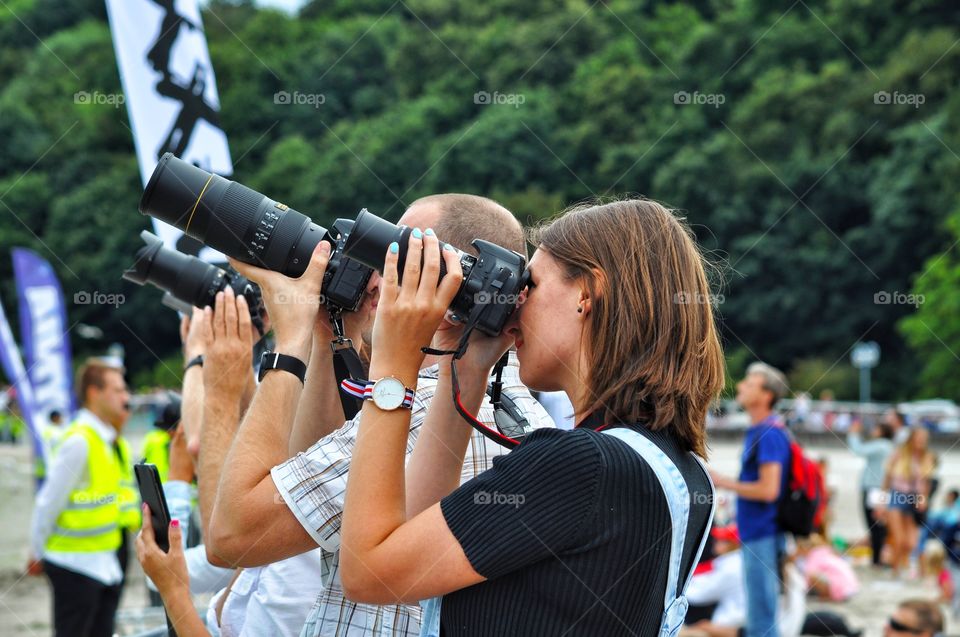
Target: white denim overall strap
678,501
430,622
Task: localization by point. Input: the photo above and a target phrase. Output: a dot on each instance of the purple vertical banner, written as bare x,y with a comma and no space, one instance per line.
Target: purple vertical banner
17,375
43,331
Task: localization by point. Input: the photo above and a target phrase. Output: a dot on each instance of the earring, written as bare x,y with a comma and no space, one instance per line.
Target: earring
580,310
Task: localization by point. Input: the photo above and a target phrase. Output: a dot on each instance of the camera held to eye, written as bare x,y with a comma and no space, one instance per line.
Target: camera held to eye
492,280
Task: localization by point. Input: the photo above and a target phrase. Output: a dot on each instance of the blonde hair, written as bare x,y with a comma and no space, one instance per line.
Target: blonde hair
902,465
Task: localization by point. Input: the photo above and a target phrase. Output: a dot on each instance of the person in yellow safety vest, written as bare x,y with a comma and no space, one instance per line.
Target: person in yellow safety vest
76,528
156,445
49,435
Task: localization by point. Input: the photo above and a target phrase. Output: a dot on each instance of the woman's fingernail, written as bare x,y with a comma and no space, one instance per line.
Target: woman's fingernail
417,234
447,246
394,247
175,523
429,232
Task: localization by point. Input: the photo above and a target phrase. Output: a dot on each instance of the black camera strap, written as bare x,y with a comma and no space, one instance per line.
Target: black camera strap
346,364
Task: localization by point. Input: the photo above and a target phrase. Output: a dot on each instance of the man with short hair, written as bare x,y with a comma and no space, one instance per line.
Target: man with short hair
248,527
764,465
915,618
82,508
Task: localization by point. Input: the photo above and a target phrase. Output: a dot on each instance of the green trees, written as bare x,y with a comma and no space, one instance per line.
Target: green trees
814,147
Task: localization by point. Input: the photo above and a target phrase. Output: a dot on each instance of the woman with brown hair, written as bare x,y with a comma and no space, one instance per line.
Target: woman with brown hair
908,478
592,531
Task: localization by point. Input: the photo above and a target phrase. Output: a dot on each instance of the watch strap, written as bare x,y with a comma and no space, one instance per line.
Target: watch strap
363,389
195,361
274,360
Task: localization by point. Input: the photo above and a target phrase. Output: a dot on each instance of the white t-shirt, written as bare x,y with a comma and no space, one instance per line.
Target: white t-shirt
270,600
722,585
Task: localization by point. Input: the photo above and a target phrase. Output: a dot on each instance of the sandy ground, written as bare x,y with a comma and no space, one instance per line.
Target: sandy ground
25,601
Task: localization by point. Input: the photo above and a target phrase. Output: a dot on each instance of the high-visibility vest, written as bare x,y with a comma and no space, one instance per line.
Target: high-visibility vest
129,493
91,519
156,450
50,435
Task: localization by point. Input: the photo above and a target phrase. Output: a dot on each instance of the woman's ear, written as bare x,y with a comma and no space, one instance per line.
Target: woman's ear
591,290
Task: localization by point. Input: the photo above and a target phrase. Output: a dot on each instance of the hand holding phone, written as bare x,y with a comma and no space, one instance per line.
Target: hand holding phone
151,493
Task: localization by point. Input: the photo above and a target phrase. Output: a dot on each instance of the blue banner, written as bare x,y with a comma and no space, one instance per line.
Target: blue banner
43,332
17,375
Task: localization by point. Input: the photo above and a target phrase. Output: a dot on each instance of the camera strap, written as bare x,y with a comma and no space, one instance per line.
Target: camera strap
512,426
346,364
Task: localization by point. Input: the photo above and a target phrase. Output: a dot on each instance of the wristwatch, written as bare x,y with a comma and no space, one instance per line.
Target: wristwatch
196,360
273,360
388,393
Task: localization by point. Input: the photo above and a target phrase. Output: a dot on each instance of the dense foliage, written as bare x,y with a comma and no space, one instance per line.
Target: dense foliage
791,135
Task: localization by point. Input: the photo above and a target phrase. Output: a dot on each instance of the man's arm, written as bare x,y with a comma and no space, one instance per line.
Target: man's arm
65,472
191,405
765,489
319,411
250,521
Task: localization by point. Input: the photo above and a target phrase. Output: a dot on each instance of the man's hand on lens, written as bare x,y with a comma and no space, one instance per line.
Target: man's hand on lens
229,359
292,304
192,335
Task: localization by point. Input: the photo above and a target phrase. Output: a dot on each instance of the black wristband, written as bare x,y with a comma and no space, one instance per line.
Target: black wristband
197,360
272,360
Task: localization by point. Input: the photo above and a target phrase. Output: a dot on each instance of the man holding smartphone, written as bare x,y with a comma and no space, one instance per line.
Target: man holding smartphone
78,519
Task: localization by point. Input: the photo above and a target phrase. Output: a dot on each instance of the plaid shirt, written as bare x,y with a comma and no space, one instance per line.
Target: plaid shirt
313,485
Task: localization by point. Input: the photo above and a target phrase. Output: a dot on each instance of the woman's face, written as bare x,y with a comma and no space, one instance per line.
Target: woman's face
547,328
920,437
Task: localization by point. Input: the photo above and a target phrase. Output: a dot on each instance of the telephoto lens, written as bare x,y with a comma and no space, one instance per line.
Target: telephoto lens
492,281
231,218
188,279
250,227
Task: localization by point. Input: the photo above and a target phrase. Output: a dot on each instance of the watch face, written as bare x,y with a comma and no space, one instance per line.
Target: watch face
388,393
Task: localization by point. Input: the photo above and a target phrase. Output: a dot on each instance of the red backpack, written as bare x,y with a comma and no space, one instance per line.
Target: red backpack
803,502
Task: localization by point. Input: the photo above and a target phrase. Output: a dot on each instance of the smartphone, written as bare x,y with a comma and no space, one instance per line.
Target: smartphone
151,492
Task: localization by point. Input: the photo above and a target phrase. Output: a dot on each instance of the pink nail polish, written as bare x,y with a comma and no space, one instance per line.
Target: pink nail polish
175,523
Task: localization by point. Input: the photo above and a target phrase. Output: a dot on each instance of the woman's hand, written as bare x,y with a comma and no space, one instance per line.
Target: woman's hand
292,304
167,570
408,315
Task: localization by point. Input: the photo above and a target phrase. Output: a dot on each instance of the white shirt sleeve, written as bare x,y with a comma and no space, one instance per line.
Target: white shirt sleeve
69,466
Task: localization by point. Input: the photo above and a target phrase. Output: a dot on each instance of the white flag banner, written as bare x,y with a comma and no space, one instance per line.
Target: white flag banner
171,93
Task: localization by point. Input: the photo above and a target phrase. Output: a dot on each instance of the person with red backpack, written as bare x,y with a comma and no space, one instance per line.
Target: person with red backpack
765,468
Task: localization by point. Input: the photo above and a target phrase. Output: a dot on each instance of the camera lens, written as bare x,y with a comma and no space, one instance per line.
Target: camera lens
188,279
183,276
230,217
370,238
